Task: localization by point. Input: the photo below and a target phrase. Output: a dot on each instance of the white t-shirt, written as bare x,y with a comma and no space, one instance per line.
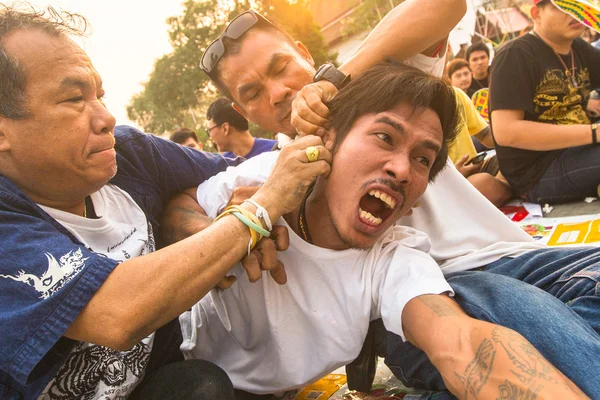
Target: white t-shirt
270,338
466,230
120,232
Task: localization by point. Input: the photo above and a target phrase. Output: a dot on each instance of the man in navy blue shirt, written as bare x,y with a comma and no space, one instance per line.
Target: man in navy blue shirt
228,129
87,295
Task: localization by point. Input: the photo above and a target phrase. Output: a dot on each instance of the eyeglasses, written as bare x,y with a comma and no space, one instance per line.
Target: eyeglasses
236,28
212,127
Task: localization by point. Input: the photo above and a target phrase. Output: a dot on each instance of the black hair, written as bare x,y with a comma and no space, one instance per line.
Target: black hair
480,46
233,47
221,111
13,83
182,135
386,85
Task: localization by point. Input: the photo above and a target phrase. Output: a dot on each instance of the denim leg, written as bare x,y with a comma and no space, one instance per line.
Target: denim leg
574,175
571,275
558,333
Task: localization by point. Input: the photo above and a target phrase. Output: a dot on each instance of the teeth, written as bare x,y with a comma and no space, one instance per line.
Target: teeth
369,217
387,199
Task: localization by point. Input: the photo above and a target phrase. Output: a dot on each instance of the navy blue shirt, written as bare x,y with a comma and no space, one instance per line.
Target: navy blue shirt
35,307
260,146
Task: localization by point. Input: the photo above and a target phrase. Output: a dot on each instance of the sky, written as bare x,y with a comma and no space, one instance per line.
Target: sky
125,39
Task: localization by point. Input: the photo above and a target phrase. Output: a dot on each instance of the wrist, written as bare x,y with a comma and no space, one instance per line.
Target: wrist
594,133
272,208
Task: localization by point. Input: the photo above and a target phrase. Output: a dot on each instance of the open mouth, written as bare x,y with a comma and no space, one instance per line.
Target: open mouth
376,207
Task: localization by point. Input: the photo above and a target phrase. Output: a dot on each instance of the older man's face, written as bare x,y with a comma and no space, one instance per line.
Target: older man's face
66,145
264,77
380,170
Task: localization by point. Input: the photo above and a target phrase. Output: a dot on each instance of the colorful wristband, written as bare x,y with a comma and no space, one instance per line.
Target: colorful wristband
262,213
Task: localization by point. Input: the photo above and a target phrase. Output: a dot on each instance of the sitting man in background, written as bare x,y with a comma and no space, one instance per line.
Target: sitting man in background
186,137
228,129
547,147
349,262
483,174
478,56
459,75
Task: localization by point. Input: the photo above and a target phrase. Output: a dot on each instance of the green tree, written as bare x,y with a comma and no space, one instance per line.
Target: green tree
367,15
178,92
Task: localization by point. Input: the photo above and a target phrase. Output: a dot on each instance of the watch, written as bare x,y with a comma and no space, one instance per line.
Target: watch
328,72
594,133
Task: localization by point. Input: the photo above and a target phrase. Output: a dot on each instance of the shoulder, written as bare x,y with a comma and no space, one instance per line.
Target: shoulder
266,142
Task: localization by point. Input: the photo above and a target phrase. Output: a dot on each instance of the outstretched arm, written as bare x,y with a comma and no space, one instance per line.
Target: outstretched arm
480,360
412,27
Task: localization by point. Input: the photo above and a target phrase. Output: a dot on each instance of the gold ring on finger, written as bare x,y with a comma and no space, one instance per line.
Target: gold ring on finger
312,153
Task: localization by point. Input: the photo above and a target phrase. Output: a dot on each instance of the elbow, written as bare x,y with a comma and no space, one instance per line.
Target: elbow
503,137
121,339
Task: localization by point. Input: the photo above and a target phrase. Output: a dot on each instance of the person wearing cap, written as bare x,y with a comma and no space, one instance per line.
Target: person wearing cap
541,82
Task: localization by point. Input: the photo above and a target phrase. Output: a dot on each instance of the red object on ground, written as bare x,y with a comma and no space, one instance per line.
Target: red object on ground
519,211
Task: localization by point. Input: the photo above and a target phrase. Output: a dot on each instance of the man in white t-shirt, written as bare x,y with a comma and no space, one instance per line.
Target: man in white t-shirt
349,263
263,77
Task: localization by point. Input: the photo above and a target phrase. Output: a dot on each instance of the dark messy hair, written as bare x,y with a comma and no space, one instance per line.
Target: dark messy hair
480,46
221,111
386,85
233,47
182,135
13,79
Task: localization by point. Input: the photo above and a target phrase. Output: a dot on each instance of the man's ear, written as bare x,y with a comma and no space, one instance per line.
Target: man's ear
329,139
304,52
225,128
535,14
239,109
4,144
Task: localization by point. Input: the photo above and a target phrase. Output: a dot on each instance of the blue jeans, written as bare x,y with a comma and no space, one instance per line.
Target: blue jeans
574,175
560,316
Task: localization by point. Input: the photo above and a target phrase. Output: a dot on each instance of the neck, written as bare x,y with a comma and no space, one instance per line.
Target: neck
241,143
76,207
481,76
49,194
561,46
318,220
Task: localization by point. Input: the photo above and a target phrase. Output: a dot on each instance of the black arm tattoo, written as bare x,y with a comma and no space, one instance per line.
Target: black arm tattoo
438,306
485,132
184,223
510,391
479,369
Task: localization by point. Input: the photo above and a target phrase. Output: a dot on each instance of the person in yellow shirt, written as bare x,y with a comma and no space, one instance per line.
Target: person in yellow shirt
485,175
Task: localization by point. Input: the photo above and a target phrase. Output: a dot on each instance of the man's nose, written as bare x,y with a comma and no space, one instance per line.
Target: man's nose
102,120
279,94
399,169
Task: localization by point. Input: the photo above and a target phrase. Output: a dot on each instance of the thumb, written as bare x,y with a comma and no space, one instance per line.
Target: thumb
462,160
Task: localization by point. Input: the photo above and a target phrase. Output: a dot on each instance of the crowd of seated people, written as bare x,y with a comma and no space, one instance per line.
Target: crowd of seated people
543,107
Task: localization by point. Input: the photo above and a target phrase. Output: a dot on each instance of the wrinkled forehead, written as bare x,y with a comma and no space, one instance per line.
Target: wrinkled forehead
248,59
48,58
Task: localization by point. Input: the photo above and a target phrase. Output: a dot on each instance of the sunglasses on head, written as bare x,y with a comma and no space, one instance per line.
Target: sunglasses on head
236,28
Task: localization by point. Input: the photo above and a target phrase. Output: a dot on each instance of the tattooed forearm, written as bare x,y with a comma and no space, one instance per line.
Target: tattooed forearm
181,222
478,371
438,306
510,391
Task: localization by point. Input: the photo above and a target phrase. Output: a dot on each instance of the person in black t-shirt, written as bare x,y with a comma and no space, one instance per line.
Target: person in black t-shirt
545,142
478,56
